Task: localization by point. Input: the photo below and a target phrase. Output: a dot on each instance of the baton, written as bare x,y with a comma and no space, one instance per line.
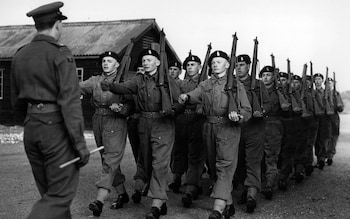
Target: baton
78,158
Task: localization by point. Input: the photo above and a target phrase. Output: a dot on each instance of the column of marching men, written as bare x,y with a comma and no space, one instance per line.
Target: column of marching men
241,131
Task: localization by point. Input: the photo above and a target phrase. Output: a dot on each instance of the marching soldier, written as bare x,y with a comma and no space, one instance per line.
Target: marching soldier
44,87
221,132
324,128
175,70
252,137
184,132
273,131
110,130
156,128
335,121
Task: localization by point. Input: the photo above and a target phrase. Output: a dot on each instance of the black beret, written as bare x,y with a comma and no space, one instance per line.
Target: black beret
308,77
151,52
47,13
296,77
243,58
318,75
175,64
109,54
283,75
191,58
217,53
330,79
267,68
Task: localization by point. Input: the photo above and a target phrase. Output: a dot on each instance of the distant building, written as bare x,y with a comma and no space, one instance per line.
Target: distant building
86,40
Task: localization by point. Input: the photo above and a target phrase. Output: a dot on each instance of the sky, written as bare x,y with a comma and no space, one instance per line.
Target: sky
301,30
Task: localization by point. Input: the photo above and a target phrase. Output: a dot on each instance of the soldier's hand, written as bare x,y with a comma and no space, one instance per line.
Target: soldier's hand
84,155
257,114
105,85
116,107
234,116
183,98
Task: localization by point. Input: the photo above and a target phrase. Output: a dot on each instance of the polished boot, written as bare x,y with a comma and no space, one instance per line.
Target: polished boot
96,207
121,200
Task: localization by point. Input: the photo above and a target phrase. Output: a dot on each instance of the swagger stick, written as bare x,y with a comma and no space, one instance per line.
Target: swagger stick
78,158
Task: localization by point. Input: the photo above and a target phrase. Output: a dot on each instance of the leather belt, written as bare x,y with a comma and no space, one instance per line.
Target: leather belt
104,111
151,115
43,108
217,119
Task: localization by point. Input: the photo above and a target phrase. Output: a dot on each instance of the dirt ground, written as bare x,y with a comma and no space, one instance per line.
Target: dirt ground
326,194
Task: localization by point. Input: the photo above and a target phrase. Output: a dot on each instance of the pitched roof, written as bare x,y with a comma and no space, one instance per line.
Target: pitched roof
83,38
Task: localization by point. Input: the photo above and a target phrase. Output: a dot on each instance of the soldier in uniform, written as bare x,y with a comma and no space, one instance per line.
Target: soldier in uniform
252,137
324,128
110,130
156,127
175,70
44,87
273,132
335,121
184,123
221,132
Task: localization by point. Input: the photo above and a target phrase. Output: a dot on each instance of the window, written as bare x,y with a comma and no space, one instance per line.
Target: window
1,84
80,74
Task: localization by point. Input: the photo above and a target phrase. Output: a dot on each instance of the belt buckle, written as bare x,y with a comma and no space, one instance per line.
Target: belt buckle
40,106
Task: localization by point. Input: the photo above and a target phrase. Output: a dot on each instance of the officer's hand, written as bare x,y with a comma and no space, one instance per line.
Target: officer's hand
105,85
84,155
183,98
116,107
234,116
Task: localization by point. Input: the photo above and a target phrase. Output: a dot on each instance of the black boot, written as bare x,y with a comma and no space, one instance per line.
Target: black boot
156,212
329,161
175,184
96,207
215,215
308,170
121,200
187,200
136,196
282,185
268,193
229,211
251,205
243,198
299,177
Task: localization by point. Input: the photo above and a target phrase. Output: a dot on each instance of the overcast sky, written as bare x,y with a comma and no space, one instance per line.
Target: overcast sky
301,30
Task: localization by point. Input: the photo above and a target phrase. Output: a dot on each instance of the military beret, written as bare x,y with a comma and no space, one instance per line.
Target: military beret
150,52
330,79
243,58
175,64
110,54
267,68
191,58
308,77
47,13
296,77
217,53
283,75
318,75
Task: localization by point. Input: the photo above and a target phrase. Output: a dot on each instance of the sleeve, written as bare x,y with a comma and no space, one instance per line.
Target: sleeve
128,105
340,103
195,96
69,98
87,86
127,87
266,102
246,109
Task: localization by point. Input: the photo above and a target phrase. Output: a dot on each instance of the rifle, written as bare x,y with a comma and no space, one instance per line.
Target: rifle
305,112
203,76
283,102
329,107
295,106
317,108
256,107
233,105
125,63
167,100
204,70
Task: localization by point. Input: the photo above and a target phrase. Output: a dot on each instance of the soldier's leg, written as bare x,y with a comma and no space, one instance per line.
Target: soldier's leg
61,182
323,137
331,149
313,129
133,136
301,145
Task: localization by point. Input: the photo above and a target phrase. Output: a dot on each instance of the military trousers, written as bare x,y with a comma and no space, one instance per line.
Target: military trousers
157,136
222,142
302,136
313,129
47,146
251,153
323,137
110,131
288,148
272,148
331,146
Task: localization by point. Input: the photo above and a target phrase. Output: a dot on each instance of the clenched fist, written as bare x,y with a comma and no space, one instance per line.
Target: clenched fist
183,98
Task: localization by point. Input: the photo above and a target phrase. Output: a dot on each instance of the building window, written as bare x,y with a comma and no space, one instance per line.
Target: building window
80,74
1,84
